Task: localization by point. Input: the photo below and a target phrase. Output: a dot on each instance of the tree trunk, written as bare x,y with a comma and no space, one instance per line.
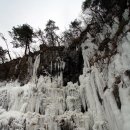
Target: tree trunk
25,50
29,48
9,55
52,40
58,43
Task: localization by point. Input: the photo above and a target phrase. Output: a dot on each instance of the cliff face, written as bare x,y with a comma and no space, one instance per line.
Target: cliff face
53,61
85,87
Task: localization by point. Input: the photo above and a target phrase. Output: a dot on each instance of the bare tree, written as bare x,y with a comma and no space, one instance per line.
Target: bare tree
5,40
39,34
2,54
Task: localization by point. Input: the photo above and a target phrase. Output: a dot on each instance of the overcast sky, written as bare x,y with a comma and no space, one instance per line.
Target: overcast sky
36,13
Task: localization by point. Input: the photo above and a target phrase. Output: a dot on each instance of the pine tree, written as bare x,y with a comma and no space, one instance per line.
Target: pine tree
22,36
51,35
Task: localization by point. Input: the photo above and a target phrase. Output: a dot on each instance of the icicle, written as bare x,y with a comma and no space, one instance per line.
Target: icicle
35,67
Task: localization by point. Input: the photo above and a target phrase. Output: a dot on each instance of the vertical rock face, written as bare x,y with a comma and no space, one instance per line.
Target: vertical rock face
53,62
87,88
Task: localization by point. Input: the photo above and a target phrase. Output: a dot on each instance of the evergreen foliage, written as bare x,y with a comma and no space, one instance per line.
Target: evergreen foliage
22,36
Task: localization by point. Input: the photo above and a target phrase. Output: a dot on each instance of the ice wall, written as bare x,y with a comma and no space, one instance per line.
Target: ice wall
100,101
105,83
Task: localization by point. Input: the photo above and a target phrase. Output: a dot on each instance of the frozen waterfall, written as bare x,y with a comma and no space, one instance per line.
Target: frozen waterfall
100,101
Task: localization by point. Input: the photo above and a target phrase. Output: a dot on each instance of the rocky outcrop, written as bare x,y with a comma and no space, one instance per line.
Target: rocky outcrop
53,60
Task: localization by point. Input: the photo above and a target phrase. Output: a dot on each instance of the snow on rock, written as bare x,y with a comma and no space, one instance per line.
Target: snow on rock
107,97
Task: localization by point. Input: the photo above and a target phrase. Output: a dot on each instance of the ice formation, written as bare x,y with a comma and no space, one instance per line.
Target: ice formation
100,102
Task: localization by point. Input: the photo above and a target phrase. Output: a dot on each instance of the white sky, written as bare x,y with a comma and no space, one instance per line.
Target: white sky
36,13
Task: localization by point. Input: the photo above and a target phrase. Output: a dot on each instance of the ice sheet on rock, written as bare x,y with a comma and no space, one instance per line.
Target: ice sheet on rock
88,51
